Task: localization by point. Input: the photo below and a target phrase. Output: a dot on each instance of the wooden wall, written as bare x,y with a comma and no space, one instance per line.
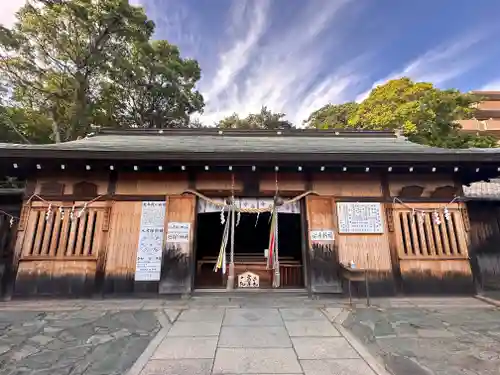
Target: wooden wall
324,255
484,247
432,258
347,185
58,254
108,263
122,247
151,184
176,275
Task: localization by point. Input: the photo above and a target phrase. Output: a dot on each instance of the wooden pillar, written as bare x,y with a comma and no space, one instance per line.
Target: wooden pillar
176,270
324,262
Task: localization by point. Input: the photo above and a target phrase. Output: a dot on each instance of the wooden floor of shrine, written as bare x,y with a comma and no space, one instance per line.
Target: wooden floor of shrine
291,272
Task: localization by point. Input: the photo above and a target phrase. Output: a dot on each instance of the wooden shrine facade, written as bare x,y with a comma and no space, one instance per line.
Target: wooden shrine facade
396,213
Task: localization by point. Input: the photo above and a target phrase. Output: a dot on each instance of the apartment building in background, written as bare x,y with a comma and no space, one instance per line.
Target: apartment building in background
487,117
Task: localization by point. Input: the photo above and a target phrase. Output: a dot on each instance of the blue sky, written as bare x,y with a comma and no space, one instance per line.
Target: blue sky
296,55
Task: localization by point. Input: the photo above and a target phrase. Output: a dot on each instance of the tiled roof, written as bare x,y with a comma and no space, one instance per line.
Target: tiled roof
239,141
483,190
213,144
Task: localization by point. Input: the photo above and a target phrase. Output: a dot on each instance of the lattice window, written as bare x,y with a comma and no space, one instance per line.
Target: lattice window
61,236
419,236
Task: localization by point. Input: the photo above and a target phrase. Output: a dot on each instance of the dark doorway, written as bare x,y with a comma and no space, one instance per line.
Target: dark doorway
250,242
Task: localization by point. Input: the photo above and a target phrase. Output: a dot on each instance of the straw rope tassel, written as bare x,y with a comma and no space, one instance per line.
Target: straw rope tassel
272,241
231,276
276,279
221,259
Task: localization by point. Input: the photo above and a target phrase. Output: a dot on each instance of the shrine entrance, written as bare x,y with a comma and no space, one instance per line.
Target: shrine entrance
251,243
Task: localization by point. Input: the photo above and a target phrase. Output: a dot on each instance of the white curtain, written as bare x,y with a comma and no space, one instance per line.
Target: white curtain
291,208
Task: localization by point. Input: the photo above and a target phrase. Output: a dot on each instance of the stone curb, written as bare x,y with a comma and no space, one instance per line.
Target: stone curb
487,300
370,360
146,355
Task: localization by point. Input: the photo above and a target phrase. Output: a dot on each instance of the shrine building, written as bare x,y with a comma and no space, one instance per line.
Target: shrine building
192,210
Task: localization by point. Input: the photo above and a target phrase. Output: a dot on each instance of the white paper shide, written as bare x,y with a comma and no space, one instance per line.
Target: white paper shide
149,251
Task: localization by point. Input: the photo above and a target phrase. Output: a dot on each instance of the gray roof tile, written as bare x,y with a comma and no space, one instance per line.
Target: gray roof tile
237,143
483,190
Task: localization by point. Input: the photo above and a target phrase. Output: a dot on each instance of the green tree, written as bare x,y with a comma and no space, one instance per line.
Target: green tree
265,119
420,111
18,125
332,116
68,60
159,89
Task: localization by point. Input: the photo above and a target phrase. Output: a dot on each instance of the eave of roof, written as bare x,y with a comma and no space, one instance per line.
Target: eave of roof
244,145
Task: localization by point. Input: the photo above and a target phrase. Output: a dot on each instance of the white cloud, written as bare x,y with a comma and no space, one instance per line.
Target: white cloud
275,67
8,9
492,86
439,65
244,45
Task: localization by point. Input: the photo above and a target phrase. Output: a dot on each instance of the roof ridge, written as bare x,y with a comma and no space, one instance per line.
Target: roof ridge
354,133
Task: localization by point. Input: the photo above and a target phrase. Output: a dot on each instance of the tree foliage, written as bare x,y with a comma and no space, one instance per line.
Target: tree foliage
84,62
418,110
159,89
332,116
265,119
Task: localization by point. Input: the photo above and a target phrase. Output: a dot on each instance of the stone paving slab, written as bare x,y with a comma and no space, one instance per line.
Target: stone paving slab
186,348
254,337
178,367
311,328
202,315
301,314
252,317
195,329
323,348
251,360
336,367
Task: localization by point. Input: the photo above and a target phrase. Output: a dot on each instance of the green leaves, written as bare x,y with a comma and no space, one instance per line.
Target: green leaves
420,111
83,62
266,119
332,116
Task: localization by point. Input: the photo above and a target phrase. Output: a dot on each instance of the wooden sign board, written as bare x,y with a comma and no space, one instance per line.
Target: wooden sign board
321,235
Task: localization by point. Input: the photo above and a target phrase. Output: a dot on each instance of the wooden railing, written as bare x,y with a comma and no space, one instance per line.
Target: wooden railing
418,236
61,236
291,275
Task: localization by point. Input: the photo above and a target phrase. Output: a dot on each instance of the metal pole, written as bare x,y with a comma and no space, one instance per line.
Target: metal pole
230,278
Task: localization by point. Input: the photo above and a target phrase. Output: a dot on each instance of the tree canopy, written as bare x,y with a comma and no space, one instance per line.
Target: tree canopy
265,119
69,64
332,116
420,111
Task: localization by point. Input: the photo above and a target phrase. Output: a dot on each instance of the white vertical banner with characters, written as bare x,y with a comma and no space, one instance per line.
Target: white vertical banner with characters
149,250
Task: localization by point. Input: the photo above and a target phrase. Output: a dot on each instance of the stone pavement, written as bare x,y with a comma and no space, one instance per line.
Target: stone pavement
74,341
198,336
250,335
422,336
254,341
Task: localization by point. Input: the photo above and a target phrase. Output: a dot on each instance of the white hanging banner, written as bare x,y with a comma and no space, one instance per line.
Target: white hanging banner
249,203
149,249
